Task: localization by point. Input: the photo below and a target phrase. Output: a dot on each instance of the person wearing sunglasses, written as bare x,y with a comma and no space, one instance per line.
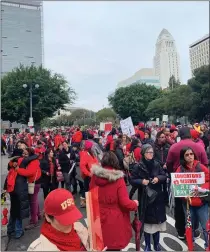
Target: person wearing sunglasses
198,206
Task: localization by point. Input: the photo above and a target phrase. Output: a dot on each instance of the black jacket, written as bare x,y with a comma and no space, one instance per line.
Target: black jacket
154,213
64,160
19,197
161,152
120,156
45,167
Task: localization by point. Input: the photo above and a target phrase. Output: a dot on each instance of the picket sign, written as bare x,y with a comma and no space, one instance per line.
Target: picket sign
183,183
127,127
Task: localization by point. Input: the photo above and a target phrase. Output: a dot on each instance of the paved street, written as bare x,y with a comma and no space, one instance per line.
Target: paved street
168,241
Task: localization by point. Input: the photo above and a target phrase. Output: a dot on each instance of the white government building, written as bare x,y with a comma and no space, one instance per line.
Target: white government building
199,53
21,31
166,60
166,63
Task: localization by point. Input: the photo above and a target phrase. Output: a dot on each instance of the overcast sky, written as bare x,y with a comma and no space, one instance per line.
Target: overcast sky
97,44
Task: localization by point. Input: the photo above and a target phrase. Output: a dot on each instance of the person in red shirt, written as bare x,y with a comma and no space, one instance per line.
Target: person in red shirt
198,206
40,149
136,149
77,137
33,174
87,159
173,162
114,203
58,140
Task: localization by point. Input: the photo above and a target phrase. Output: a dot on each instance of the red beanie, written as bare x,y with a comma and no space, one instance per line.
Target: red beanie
88,145
194,134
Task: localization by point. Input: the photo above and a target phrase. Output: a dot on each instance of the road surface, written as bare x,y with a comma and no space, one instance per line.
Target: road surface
168,240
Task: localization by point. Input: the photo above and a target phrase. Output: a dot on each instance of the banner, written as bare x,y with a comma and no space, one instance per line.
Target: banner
183,184
127,127
94,223
108,127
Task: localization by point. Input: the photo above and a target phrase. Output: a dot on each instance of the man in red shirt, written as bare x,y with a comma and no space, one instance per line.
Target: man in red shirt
172,163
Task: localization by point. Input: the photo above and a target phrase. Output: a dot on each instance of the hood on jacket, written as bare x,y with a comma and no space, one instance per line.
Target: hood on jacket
105,176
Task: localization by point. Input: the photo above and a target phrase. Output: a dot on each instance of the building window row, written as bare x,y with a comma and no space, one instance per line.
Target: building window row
24,6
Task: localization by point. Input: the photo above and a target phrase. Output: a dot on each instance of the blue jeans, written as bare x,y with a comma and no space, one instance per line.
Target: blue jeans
201,213
15,225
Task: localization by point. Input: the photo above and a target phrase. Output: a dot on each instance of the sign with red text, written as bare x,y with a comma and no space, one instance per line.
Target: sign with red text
183,183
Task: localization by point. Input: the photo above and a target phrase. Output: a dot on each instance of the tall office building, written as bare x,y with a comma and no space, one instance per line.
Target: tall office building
166,60
21,34
199,53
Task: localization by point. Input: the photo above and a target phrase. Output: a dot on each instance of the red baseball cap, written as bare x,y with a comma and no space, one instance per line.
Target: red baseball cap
60,204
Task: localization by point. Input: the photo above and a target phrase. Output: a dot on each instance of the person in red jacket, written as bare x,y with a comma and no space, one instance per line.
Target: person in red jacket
77,137
136,149
198,206
114,203
58,140
33,174
87,159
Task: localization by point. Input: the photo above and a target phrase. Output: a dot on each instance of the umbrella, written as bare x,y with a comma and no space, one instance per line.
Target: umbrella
188,230
137,224
208,231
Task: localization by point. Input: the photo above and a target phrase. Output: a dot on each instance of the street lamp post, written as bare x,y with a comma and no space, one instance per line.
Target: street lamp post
31,121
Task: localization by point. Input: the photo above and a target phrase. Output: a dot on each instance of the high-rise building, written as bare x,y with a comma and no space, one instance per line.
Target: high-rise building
199,53
144,75
166,60
21,34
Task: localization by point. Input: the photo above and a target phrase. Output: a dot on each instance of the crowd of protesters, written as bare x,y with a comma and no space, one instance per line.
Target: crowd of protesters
79,160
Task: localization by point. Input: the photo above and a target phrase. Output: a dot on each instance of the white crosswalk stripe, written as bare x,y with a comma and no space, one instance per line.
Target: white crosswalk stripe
170,221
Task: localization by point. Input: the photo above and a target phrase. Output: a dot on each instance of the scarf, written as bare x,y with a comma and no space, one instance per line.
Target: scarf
11,178
149,165
64,242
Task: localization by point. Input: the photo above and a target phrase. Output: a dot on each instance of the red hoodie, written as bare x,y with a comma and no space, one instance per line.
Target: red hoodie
32,170
196,201
86,162
77,137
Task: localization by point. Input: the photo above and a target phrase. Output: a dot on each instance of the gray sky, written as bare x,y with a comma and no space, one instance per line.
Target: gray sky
97,44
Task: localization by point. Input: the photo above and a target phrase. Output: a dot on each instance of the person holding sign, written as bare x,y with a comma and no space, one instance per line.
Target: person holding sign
198,205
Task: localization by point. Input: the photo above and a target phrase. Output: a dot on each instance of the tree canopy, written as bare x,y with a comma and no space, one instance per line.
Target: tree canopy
200,96
192,100
173,83
133,101
106,114
53,92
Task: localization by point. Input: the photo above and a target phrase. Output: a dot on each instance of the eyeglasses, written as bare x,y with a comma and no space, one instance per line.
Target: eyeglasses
150,152
189,154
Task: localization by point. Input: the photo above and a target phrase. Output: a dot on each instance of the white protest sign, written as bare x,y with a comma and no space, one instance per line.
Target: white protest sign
127,127
182,182
165,118
102,126
158,121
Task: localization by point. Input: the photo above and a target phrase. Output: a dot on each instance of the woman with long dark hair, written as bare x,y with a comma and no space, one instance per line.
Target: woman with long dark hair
49,167
198,206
